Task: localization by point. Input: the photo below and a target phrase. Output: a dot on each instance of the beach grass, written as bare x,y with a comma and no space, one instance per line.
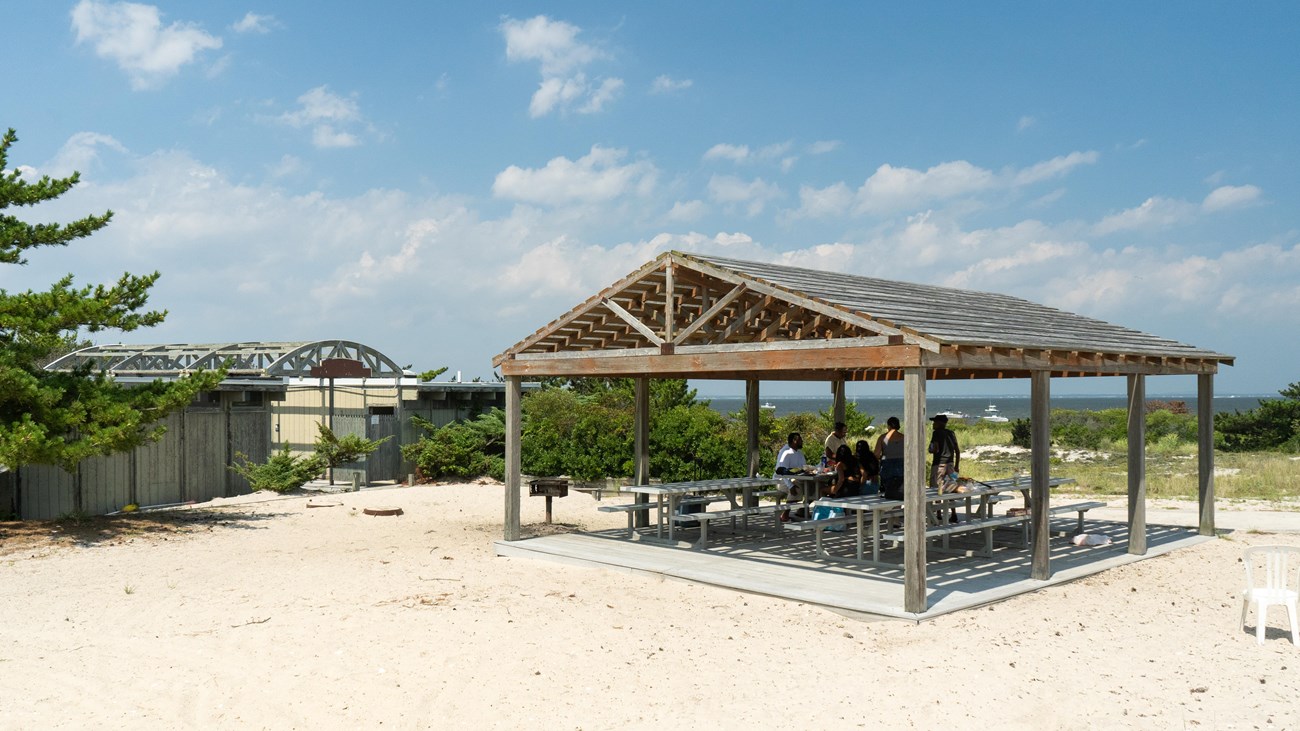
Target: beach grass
1271,477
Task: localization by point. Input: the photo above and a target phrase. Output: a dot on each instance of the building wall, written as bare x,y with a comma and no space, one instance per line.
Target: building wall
190,463
372,409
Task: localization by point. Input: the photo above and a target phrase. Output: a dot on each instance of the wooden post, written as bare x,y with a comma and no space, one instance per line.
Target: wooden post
751,424
1205,450
1137,465
837,399
670,309
914,599
1040,465
641,444
514,394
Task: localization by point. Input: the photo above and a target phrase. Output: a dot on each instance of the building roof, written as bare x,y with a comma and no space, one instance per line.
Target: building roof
736,319
243,360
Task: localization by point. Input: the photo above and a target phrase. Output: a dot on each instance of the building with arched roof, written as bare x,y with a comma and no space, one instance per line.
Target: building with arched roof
274,393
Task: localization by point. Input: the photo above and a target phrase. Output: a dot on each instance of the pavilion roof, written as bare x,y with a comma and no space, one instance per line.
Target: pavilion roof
729,318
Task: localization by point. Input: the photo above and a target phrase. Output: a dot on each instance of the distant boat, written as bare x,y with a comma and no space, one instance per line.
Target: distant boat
956,416
991,414
767,405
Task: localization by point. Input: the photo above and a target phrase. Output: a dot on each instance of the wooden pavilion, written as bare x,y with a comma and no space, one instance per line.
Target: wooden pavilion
687,315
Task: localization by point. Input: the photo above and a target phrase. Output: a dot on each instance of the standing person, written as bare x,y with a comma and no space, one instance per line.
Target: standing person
889,449
943,445
835,440
947,457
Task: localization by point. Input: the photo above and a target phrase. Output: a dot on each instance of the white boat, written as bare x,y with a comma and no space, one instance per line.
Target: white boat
956,416
767,405
991,414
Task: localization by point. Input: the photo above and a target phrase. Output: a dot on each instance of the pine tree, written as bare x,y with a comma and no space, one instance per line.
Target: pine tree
62,418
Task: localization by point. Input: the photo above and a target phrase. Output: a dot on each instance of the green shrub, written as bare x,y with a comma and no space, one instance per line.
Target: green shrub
1021,433
335,450
460,449
1273,426
282,471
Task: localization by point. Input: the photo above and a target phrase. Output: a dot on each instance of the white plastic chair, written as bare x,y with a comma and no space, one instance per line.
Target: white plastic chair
1280,585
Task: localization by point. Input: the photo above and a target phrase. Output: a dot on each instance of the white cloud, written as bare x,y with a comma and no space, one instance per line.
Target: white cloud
727,151
81,152
324,136
687,211
1054,168
1025,123
742,154
254,23
561,58
287,165
597,176
821,147
1154,213
552,43
132,36
667,85
833,200
555,92
602,95
752,195
1228,197
328,115
891,188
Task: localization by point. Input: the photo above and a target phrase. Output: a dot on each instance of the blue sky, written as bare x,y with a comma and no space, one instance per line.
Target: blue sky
438,180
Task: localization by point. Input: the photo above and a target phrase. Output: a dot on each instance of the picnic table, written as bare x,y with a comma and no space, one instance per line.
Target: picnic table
669,495
979,515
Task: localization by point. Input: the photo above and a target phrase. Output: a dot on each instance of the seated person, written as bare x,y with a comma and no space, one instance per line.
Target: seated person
833,442
848,474
790,460
870,467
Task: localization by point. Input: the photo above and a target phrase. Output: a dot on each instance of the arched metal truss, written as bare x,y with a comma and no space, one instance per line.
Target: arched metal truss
282,360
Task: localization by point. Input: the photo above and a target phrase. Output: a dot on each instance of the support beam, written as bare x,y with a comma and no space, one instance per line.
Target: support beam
634,323
670,305
1040,418
837,398
751,426
1137,465
641,444
514,394
1205,450
914,599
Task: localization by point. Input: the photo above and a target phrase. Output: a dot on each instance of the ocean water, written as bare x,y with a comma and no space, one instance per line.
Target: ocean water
1012,407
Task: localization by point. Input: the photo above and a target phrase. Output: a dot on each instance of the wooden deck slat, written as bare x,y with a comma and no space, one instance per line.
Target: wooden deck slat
785,567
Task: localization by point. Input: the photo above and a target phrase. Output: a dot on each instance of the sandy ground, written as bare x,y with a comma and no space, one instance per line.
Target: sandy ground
275,615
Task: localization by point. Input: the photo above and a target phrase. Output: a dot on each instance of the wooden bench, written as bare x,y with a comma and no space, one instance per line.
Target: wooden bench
966,526
1079,508
704,519
818,526
631,509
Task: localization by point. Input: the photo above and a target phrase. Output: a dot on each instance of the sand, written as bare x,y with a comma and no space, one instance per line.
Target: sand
274,615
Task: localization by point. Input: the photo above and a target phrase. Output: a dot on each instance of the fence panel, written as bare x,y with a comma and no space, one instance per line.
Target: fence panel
47,492
386,462
158,466
250,435
205,455
105,483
